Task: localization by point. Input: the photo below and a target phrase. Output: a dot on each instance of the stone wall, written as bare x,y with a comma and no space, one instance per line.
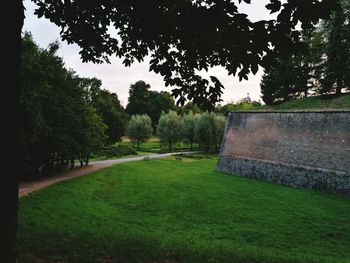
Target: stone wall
306,149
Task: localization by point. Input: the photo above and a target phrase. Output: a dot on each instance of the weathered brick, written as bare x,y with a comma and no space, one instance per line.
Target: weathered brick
307,149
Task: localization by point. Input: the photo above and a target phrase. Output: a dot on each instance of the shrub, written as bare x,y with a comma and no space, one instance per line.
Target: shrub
118,151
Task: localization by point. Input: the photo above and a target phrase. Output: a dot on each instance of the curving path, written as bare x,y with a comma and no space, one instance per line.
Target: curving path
28,187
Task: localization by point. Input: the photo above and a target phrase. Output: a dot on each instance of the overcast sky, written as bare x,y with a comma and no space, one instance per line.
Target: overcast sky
117,78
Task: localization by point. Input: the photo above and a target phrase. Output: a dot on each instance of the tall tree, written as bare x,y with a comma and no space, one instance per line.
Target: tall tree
219,127
142,100
160,102
57,119
209,129
204,132
138,101
169,128
337,51
188,127
139,128
285,80
108,107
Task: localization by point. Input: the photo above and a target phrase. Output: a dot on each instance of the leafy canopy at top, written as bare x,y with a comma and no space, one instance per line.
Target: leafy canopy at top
183,37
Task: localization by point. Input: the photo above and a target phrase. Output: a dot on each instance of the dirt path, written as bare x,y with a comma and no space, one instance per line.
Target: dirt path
28,187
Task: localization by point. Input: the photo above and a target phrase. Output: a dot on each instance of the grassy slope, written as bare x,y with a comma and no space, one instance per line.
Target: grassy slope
181,211
316,102
319,102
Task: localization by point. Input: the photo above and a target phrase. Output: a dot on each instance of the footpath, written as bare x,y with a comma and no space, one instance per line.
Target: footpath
31,186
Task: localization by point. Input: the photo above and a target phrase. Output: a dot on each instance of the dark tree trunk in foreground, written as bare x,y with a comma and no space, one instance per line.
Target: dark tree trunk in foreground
10,108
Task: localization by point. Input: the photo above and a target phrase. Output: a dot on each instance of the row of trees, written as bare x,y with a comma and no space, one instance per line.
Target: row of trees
206,129
142,100
323,66
65,117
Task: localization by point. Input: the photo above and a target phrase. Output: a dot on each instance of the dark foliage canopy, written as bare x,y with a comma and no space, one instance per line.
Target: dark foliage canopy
58,124
323,68
107,106
285,80
142,100
183,37
337,51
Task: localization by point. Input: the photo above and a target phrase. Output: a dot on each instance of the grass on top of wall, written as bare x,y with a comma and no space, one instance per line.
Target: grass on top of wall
180,211
316,102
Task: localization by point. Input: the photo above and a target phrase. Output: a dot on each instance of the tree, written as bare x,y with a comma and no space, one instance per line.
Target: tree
200,36
139,128
169,128
138,101
59,125
188,127
160,102
219,127
323,68
337,51
285,80
209,129
93,137
204,132
108,107
187,108
144,101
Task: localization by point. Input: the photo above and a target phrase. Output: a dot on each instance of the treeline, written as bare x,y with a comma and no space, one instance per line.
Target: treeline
206,129
322,67
142,100
65,117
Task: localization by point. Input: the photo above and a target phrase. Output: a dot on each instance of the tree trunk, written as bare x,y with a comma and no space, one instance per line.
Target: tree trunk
72,163
339,88
10,106
87,157
138,144
191,145
169,146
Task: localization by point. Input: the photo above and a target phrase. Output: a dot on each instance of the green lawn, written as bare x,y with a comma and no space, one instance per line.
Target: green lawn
317,102
181,211
309,103
155,146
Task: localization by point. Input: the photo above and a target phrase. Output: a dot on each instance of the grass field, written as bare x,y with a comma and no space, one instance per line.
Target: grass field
309,103
318,102
181,211
153,145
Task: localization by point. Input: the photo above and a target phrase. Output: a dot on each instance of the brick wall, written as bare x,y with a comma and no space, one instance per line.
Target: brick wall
298,140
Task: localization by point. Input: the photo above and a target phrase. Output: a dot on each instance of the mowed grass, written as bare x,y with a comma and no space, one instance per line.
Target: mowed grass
315,102
181,211
324,102
154,145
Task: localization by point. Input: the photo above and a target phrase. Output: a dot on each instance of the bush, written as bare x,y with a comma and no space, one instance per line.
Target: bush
118,151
